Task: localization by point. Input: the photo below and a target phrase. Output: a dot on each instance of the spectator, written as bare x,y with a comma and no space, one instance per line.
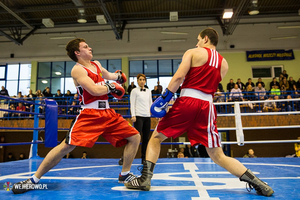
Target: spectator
159,87
38,93
31,96
285,74
10,114
291,82
269,105
240,84
68,94
284,86
73,110
274,82
68,156
190,152
68,97
236,94
154,92
84,155
275,90
249,92
19,96
10,157
21,156
250,83
250,154
180,155
289,104
219,96
220,87
2,140
281,78
297,148
278,105
130,87
21,107
125,88
47,92
58,97
230,85
298,84
295,92
261,82
4,91
260,92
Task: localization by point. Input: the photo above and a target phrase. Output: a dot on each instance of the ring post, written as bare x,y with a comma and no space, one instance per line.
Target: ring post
34,147
238,124
51,123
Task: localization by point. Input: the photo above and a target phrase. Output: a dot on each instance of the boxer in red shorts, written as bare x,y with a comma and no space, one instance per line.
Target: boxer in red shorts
201,70
95,118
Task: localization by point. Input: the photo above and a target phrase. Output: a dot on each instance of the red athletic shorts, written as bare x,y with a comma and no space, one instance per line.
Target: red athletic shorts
194,116
91,123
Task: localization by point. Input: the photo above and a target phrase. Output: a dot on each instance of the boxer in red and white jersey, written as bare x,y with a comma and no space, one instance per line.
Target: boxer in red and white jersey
201,70
95,118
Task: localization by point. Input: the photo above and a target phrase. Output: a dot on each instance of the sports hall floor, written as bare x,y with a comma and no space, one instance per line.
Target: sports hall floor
174,178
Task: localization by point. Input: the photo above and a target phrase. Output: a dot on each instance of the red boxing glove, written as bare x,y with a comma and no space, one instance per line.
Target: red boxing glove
115,89
121,77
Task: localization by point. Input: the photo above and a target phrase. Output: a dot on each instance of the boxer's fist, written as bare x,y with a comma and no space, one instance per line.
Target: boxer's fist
115,89
160,105
121,77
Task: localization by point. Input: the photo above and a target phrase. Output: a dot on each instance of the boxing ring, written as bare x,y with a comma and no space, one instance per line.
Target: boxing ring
174,178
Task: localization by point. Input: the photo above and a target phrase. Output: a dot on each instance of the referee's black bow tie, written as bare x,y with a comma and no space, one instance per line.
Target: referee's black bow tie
143,90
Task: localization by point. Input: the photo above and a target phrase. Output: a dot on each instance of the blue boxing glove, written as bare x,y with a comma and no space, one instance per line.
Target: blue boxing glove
160,105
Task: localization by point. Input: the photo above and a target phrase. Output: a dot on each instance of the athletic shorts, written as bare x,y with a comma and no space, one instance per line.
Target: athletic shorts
91,123
195,116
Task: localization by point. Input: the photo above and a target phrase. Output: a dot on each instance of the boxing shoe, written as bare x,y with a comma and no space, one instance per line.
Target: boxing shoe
126,178
261,187
144,181
23,186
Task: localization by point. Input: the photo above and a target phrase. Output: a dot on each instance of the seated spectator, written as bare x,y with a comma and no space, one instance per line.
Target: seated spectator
21,156
73,110
236,94
260,92
284,87
10,114
250,83
58,97
249,93
10,157
76,99
274,82
190,152
268,105
295,92
68,96
219,96
291,82
21,107
240,84
220,87
180,155
298,84
38,93
289,104
260,81
275,90
250,154
130,87
19,96
278,105
31,96
84,155
230,85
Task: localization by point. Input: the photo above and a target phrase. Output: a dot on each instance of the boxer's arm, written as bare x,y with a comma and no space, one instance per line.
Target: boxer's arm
81,78
224,68
106,74
182,71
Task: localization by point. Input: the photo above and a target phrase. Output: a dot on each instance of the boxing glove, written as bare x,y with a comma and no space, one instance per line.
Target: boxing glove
121,77
115,89
160,105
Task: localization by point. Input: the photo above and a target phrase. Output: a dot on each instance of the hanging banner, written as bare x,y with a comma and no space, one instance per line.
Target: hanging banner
270,55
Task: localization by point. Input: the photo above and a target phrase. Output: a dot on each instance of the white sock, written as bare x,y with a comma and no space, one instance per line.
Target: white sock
125,173
35,179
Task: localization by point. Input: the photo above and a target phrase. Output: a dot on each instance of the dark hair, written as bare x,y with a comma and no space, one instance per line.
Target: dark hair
73,46
139,75
212,34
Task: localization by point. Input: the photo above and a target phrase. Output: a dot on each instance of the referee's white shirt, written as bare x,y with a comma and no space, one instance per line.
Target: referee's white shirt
140,102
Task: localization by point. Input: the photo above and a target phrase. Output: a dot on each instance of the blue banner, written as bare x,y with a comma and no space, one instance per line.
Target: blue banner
270,55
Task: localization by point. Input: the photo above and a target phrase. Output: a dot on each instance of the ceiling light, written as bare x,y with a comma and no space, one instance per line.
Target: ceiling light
62,37
282,27
58,73
173,33
253,10
174,40
284,37
101,19
227,14
48,22
173,16
44,81
61,45
81,16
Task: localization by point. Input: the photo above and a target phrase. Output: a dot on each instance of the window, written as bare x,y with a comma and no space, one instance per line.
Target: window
165,67
150,67
44,69
135,67
2,72
114,65
266,71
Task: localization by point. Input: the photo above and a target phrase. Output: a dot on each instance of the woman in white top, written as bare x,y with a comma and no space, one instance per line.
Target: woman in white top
140,103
